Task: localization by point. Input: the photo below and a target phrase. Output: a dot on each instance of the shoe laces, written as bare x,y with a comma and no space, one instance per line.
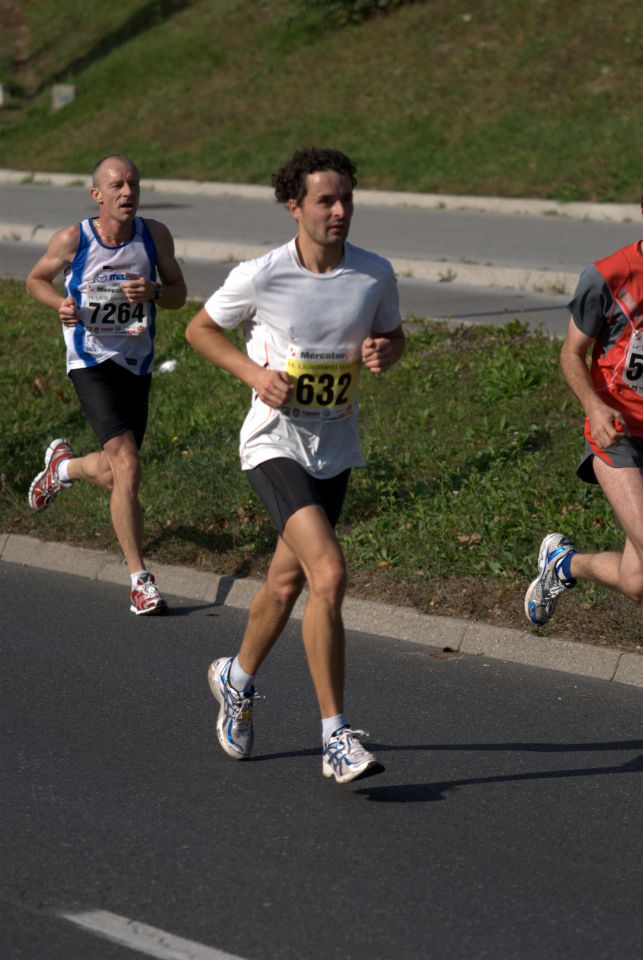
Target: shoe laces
238,702
147,586
349,740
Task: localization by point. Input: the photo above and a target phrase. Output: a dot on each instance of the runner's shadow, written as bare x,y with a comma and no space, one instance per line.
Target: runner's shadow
432,792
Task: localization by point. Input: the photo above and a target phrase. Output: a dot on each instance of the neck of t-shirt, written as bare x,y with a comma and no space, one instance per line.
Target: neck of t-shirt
319,259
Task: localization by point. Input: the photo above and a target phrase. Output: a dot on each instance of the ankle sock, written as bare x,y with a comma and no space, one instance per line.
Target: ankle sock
563,570
241,681
331,724
134,577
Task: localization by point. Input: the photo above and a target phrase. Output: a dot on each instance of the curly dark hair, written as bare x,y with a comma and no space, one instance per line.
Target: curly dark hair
289,181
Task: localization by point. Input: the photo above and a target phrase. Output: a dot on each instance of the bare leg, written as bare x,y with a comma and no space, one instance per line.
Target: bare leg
271,608
92,468
622,572
117,469
311,538
308,547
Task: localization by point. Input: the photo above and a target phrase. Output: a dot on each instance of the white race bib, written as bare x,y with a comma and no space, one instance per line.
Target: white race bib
633,369
108,313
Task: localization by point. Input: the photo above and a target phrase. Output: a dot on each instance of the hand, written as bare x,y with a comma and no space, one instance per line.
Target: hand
377,354
607,426
137,289
68,312
273,387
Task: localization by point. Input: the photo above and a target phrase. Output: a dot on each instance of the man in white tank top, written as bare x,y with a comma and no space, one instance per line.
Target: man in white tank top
316,311
118,269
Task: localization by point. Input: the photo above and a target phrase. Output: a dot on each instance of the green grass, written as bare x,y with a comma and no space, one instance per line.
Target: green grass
445,96
471,444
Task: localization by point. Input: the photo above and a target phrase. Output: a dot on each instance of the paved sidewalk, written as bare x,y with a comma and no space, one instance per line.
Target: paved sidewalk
397,623
619,212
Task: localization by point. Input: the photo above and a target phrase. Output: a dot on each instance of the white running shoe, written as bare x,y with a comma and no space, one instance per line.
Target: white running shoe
543,592
234,723
46,484
346,759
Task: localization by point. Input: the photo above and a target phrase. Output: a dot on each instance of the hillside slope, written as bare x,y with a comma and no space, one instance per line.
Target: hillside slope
493,97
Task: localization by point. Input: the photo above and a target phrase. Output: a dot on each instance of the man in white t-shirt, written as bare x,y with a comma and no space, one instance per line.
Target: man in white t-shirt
315,311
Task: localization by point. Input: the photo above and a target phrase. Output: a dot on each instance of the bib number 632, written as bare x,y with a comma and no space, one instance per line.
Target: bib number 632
322,390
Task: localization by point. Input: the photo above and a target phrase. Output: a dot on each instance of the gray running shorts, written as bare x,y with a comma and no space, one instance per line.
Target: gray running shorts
628,452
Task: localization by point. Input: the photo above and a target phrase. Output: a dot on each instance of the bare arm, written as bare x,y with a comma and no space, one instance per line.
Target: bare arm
272,386
138,289
573,362
380,353
40,282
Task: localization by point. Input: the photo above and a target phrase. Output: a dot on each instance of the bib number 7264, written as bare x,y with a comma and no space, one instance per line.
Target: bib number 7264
108,312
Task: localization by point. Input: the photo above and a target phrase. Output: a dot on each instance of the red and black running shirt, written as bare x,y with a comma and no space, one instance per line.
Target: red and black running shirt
608,305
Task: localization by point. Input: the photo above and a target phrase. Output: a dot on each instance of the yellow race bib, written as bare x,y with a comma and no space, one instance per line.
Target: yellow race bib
324,383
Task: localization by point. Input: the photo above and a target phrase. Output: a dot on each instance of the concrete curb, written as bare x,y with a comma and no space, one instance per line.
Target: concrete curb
438,271
619,212
397,623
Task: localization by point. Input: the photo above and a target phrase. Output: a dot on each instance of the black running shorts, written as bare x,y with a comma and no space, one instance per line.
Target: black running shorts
627,452
113,399
285,487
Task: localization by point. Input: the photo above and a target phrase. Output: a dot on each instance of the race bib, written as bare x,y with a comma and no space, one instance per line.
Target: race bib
324,383
633,369
108,313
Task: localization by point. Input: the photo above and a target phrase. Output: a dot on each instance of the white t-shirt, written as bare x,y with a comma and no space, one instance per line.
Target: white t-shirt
312,325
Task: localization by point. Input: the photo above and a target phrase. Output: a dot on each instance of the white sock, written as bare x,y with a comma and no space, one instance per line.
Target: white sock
63,471
240,680
331,724
134,576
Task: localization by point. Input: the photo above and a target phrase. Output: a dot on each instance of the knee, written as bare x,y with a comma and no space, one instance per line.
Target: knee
125,467
105,479
633,588
285,590
630,581
329,581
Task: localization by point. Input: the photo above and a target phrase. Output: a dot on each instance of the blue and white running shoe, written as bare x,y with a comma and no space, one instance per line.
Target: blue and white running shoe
346,759
543,592
234,723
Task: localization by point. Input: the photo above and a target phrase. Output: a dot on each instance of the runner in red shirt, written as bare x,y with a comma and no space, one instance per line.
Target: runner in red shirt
607,315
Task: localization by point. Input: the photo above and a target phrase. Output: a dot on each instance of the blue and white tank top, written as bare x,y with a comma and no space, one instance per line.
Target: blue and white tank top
110,327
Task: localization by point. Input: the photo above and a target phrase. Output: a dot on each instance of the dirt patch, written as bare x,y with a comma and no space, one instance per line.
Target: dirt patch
612,621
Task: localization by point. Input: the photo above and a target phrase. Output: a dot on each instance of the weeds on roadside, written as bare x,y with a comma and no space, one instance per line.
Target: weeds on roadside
471,443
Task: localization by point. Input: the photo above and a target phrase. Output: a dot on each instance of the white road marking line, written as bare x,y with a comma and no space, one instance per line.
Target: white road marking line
145,939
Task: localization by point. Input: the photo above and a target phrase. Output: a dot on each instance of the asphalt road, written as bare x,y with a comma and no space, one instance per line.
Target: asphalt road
540,242
505,826
448,301
465,238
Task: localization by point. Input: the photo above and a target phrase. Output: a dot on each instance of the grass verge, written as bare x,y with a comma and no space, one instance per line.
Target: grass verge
471,443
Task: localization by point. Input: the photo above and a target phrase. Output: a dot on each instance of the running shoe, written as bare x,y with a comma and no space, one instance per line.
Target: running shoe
346,759
543,593
146,599
234,723
46,485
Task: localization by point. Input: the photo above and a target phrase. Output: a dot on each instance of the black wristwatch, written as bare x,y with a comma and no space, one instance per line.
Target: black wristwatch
158,290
